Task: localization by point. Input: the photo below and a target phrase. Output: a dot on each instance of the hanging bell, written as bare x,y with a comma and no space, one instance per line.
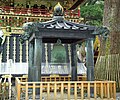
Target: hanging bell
58,53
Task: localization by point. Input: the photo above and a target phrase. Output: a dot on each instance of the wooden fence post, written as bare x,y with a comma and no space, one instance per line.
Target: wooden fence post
108,90
101,90
34,92
114,87
88,90
82,91
55,91
18,91
48,91
68,90
95,96
26,90
41,91
75,91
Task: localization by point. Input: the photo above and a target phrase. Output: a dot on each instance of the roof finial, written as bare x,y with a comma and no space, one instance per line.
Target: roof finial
58,10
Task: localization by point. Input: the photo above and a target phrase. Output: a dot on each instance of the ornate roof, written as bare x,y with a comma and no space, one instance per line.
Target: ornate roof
58,22
59,26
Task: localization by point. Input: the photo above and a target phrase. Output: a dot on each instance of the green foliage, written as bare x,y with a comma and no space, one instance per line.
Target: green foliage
93,14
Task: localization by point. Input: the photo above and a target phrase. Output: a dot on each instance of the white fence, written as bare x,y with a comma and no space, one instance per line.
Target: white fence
22,68
15,68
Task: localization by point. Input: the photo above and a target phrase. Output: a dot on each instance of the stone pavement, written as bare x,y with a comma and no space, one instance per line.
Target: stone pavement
118,96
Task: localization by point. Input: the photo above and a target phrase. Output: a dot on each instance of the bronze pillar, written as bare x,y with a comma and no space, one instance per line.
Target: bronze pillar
73,62
37,59
90,60
30,60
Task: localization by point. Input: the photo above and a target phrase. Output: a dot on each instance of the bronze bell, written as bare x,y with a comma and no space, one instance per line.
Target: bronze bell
58,53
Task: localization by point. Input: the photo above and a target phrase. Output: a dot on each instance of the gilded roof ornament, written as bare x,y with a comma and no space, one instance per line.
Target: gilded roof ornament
58,10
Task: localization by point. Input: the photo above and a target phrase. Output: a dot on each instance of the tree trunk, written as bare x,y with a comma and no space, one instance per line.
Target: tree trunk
112,21
111,63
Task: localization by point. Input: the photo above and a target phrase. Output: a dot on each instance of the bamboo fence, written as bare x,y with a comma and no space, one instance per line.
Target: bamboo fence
108,68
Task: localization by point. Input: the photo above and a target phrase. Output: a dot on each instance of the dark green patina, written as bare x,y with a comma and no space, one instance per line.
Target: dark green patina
58,54
69,33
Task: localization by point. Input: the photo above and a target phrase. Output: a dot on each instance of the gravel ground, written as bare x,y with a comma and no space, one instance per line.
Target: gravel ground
13,89
52,95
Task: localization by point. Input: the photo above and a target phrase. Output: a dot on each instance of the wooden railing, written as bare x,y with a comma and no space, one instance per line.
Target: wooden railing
19,20
33,11
14,30
61,78
66,90
16,17
9,17
54,78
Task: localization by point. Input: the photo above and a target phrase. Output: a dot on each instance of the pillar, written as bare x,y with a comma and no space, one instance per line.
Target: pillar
79,11
11,48
24,52
30,60
37,59
43,53
67,54
90,60
49,52
17,49
73,62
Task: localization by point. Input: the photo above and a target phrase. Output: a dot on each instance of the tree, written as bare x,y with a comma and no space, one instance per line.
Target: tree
108,62
112,21
93,14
